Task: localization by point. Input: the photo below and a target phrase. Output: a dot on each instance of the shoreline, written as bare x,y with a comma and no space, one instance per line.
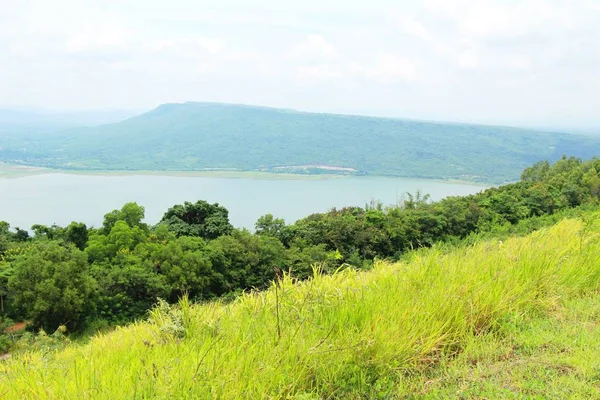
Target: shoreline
12,171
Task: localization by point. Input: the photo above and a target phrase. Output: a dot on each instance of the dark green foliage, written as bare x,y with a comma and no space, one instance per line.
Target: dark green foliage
201,219
129,289
5,339
197,136
21,235
77,233
242,260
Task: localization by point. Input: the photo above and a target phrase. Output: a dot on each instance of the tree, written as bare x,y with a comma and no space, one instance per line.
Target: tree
131,213
4,228
4,235
21,235
591,180
49,232
77,234
6,271
414,201
242,260
128,288
121,238
52,286
536,173
268,225
202,219
184,264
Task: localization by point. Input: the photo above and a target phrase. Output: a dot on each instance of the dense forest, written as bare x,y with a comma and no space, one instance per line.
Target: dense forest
85,278
208,136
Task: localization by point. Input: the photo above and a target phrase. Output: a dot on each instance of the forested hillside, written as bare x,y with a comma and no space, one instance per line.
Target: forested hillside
199,136
501,319
88,278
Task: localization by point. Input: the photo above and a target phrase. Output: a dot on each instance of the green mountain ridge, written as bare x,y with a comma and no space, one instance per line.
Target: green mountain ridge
203,136
26,121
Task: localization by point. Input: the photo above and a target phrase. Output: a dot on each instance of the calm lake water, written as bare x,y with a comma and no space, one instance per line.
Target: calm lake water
62,198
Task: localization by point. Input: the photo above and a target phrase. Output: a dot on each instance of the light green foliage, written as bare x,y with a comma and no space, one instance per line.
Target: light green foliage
591,180
131,213
198,136
549,356
268,225
493,319
121,240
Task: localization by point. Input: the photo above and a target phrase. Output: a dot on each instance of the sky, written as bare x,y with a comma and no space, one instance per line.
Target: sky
526,62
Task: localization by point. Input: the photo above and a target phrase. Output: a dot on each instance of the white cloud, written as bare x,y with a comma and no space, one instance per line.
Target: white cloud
313,47
415,28
189,47
205,67
500,18
468,59
319,72
364,34
394,69
22,49
121,65
98,38
518,62
148,54
387,68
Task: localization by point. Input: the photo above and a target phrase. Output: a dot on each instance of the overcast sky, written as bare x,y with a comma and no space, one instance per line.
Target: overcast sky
526,62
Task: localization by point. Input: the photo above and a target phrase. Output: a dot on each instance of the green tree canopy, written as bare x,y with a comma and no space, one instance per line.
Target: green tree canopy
131,213
202,219
52,286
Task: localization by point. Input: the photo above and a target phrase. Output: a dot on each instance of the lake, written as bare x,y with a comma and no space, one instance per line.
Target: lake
61,198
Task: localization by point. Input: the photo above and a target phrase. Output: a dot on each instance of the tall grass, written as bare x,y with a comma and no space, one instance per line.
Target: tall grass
349,335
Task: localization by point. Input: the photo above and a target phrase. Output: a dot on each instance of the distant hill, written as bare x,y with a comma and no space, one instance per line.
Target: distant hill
199,136
23,120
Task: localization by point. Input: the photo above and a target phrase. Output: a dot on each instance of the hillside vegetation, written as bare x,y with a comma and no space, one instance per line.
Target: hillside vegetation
89,278
492,319
199,136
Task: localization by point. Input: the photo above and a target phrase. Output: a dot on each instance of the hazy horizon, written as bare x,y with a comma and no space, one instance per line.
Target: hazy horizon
525,63
129,113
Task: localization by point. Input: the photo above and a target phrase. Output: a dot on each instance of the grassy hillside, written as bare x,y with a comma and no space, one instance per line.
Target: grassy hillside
516,318
196,136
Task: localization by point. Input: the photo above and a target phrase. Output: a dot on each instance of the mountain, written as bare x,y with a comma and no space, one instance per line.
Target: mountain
25,120
199,136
